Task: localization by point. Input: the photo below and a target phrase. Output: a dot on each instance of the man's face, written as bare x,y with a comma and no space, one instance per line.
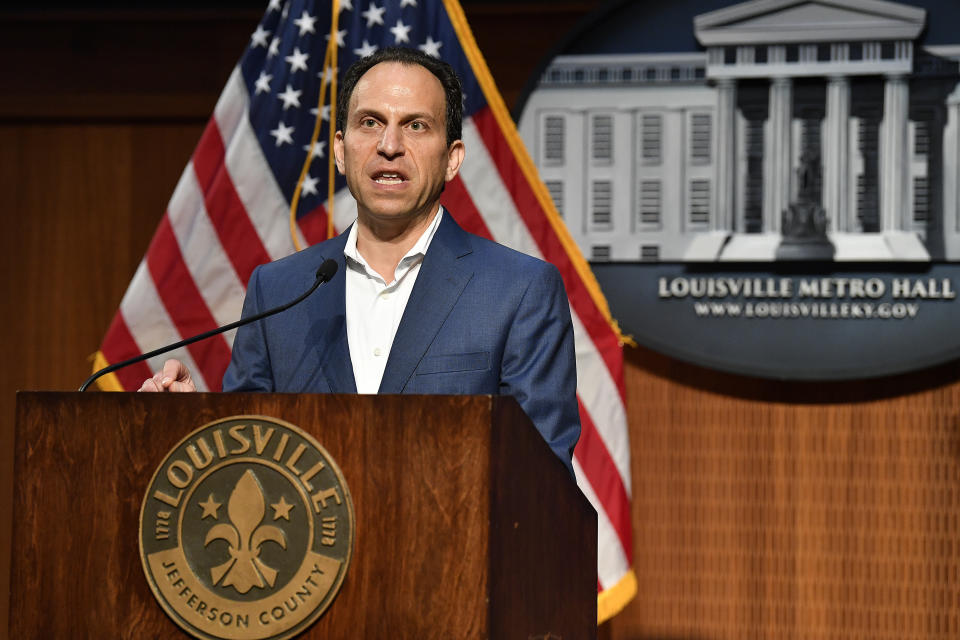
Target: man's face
393,147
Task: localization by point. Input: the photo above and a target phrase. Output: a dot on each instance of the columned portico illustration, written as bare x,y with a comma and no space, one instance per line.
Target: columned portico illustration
778,150
893,144
726,152
836,182
787,41
698,156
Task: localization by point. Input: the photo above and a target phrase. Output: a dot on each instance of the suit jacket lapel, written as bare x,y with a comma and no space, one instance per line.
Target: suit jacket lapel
439,285
328,329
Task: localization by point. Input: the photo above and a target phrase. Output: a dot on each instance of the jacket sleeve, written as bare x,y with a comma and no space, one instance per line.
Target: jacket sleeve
539,362
250,368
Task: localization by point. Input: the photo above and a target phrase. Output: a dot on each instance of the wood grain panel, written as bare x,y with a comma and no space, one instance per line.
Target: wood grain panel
766,509
79,204
541,539
444,545
96,65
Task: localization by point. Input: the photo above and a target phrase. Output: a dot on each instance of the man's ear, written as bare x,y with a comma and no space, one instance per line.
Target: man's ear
338,152
455,154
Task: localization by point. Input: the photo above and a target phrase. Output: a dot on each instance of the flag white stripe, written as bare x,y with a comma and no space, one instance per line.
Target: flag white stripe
204,255
491,197
602,400
596,387
150,325
231,108
612,562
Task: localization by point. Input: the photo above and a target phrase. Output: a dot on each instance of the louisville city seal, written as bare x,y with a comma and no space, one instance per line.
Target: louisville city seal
246,530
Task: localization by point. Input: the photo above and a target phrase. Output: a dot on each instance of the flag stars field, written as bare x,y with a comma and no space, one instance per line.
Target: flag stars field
282,134
401,32
263,83
341,35
259,37
374,14
366,49
327,74
317,149
290,97
298,60
309,186
326,112
431,47
306,23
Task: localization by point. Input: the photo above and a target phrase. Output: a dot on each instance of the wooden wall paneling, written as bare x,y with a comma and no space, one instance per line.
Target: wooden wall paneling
98,114
765,509
83,203
95,64
80,203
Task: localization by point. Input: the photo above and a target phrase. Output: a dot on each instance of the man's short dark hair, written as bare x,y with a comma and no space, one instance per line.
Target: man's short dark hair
443,72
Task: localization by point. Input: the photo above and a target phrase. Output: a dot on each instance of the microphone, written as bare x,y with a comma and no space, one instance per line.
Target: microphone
326,271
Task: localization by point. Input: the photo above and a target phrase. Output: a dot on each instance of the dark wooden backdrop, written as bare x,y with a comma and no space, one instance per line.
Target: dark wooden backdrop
761,509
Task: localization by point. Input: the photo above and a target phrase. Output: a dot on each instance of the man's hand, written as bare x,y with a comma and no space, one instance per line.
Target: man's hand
173,377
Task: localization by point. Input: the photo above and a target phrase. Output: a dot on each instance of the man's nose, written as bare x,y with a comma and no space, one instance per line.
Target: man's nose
391,141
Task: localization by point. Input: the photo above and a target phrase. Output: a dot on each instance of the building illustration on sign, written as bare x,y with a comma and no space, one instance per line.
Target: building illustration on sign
806,130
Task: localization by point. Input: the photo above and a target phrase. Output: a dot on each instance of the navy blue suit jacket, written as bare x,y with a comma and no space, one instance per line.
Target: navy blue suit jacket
481,319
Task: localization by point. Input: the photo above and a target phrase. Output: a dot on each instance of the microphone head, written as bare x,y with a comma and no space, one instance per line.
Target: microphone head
327,270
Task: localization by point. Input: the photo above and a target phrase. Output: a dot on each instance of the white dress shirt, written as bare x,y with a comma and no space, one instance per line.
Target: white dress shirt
374,307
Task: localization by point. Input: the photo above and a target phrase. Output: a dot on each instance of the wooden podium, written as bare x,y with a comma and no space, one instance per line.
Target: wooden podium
467,526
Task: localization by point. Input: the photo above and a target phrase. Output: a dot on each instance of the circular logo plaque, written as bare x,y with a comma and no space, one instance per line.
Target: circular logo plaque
246,530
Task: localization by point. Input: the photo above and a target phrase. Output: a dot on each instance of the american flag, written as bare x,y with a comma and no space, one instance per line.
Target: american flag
231,211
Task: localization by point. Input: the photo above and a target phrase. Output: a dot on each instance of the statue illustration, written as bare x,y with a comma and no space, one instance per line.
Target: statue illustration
804,222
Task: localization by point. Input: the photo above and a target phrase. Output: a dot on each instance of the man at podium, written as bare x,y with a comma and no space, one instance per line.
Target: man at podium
423,307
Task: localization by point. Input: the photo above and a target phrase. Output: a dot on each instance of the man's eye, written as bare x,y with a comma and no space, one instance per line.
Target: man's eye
417,126
368,122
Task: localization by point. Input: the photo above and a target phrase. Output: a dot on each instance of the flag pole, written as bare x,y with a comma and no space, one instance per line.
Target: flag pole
329,63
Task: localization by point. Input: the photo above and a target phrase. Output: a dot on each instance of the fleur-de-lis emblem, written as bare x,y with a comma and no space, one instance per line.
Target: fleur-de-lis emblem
245,535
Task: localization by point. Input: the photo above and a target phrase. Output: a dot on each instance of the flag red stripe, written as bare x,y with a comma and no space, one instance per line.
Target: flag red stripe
224,208
456,199
119,345
595,459
549,244
597,464
313,225
185,304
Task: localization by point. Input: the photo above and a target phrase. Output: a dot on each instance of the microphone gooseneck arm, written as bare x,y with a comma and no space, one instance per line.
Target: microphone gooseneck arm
324,273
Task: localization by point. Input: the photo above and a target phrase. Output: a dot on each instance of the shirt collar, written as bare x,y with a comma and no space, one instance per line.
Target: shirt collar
418,250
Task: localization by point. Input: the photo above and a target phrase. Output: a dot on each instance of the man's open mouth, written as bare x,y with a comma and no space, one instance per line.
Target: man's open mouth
386,177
